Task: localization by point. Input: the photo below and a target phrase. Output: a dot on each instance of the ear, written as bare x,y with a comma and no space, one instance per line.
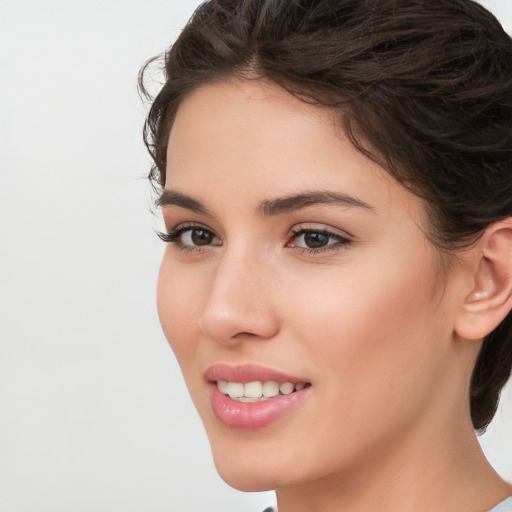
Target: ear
490,298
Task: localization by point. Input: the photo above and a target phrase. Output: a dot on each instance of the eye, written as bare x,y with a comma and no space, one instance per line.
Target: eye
317,240
190,237
312,240
197,237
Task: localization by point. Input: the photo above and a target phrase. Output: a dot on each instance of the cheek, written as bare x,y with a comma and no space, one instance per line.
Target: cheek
371,332
179,302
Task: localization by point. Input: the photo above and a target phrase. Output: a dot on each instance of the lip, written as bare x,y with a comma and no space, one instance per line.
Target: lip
251,415
248,373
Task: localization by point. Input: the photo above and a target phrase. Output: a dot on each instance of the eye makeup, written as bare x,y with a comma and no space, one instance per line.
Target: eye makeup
310,239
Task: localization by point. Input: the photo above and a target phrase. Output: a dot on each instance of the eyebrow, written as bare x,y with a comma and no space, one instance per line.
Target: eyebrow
294,202
268,207
174,198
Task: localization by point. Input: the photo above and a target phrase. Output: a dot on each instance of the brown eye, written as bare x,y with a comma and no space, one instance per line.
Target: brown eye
191,237
313,240
318,240
197,237
201,237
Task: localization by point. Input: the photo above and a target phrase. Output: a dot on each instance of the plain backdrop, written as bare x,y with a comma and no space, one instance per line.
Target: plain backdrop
94,415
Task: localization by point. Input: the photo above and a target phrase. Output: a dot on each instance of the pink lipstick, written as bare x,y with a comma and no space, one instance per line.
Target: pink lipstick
251,396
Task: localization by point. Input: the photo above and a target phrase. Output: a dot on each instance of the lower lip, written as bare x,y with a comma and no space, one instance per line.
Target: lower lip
247,415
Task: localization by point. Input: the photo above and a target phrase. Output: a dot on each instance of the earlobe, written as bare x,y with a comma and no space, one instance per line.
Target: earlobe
490,298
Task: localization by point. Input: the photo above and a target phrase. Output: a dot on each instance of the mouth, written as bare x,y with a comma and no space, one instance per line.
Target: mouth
249,396
257,390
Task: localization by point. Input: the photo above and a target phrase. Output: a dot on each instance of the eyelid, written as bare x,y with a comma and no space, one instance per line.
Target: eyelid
337,241
321,228
173,235
190,224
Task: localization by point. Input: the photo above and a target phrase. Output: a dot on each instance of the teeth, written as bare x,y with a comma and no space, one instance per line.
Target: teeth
253,389
257,391
235,389
247,399
270,388
286,388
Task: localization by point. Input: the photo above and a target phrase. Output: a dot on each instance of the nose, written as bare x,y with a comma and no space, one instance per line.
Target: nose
240,304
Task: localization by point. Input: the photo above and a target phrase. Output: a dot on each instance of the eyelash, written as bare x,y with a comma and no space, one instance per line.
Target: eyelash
341,241
173,237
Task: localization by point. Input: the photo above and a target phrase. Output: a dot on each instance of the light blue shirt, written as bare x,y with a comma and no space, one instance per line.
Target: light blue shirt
504,506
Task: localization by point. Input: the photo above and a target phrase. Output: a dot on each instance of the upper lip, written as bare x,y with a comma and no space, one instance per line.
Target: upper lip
247,373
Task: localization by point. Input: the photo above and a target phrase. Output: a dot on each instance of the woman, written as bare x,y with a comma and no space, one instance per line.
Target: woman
336,186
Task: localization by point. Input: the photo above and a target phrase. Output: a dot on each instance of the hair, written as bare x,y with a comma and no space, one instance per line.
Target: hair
423,87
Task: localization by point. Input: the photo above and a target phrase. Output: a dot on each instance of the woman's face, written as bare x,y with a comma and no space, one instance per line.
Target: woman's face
297,263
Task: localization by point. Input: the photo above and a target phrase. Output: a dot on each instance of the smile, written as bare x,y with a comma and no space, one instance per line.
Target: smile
257,391
251,396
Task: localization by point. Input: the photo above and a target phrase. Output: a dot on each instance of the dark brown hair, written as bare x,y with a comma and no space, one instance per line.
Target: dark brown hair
424,87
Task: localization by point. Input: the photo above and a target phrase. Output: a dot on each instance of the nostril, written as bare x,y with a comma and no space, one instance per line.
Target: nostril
244,334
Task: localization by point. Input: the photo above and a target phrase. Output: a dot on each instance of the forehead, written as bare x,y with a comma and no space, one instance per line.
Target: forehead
247,115
255,140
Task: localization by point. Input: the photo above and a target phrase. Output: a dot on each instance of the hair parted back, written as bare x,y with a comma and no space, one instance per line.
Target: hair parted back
423,87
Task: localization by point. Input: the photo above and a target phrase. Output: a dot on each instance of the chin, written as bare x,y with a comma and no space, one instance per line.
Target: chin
248,479
249,468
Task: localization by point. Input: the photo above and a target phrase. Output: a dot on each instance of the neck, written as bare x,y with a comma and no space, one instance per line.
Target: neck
441,472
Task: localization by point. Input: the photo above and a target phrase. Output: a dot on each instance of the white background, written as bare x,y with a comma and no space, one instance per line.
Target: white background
94,415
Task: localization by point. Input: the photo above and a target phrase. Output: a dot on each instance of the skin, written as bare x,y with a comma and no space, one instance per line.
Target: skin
385,425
